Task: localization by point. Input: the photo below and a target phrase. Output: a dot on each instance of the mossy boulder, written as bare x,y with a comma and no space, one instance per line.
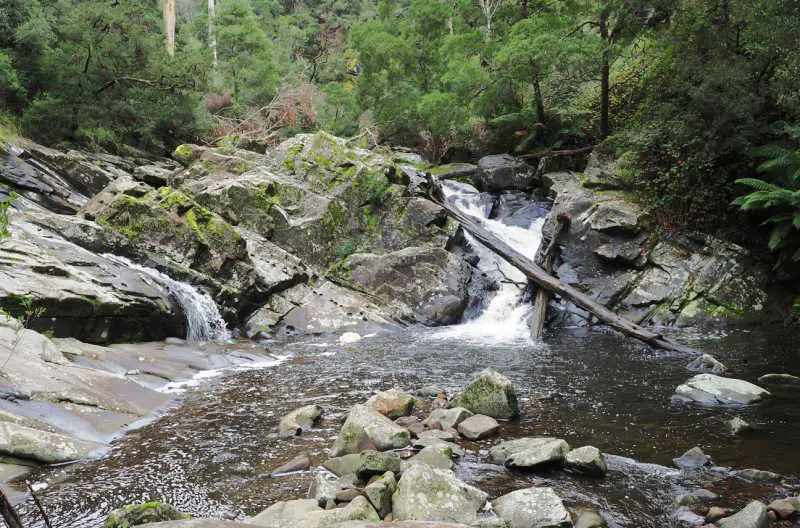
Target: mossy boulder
187,154
148,513
364,428
491,394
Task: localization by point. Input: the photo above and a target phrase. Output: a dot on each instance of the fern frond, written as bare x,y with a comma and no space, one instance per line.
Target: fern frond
778,235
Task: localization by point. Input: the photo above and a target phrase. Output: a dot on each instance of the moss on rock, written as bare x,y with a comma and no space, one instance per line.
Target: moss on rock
139,514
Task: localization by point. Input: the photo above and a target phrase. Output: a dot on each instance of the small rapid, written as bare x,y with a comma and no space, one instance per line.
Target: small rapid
204,321
506,317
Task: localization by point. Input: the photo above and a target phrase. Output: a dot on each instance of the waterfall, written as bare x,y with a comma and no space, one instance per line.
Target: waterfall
203,320
506,317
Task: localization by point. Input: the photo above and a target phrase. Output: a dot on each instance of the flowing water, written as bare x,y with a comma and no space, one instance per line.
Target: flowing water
208,455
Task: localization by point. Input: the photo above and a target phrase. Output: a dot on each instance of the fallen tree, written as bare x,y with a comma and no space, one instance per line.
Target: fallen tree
544,280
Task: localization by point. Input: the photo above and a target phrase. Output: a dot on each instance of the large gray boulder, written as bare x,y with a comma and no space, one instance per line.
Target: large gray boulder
285,512
305,514
380,493
504,172
446,418
587,460
490,393
428,494
754,515
530,453
366,427
393,403
706,363
533,508
710,389
33,444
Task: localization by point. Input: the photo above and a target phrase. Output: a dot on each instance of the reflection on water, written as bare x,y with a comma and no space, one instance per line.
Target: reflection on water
590,387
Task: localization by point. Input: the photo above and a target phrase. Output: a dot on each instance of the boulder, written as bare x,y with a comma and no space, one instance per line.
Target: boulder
428,494
446,418
392,403
463,172
299,463
365,426
323,489
148,513
530,453
685,517
780,380
380,493
24,442
377,463
785,508
504,172
716,513
533,508
693,459
710,389
758,475
478,426
739,426
436,456
754,515
591,519
706,363
294,423
343,465
587,460
433,442
491,394
308,515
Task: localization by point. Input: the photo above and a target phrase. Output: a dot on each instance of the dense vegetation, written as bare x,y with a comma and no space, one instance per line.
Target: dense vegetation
689,95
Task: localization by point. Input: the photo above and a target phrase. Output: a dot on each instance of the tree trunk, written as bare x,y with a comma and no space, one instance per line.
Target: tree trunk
545,280
212,36
537,91
523,9
169,25
604,78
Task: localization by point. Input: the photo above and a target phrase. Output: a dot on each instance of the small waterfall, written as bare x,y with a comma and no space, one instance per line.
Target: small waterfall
203,320
506,317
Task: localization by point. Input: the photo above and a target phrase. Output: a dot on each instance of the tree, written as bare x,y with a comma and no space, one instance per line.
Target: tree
489,8
212,37
169,25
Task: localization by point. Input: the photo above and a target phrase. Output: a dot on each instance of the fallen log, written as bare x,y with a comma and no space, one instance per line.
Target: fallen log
542,297
545,281
558,153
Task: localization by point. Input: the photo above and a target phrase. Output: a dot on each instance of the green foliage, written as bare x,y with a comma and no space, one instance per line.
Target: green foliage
5,207
22,310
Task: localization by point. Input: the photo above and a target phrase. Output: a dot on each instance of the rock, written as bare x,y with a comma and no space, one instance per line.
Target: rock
759,476
299,463
591,519
33,444
431,391
323,489
716,513
693,459
347,495
785,508
463,172
478,426
686,517
187,154
392,403
380,493
437,456
433,442
344,465
300,419
429,494
780,380
504,172
490,393
200,523
137,514
348,338
530,453
714,390
308,515
706,363
376,463
446,418
687,499
448,434
626,253
754,515
587,460
533,508
365,426
705,495
739,426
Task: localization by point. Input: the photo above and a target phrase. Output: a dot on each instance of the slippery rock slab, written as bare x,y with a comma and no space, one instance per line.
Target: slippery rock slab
533,508
393,403
366,426
707,363
428,494
380,493
504,172
478,427
530,453
33,444
754,515
739,426
491,394
446,418
294,423
587,460
710,389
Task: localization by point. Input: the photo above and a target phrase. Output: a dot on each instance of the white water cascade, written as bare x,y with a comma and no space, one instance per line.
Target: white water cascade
203,320
506,318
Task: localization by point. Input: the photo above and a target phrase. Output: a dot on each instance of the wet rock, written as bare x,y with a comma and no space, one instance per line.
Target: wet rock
710,389
347,495
716,513
625,253
758,476
377,463
705,495
392,403
463,172
504,172
343,465
587,460
478,426
323,489
148,513
533,508
200,523
739,426
687,499
442,434
754,515
431,391
491,394
530,453
591,519
308,515
299,463
429,494
706,363
693,459
686,517
785,508
780,380
33,444
380,493
298,420
437,456
491,522
446,418
365,426
429,441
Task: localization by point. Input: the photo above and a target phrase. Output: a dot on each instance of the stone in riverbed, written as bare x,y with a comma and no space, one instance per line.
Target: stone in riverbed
587,460
294,423
785,508
491,394
392,403
754,515
739,426
710,389
716,513
430,441
591,519
529,453
323,490
686,517
428,494
33,444
308,515
439,457
706,363
343,465
478,426
365,426
693,459
380,493
533,508
758,476
377,463
299,463
136,514
446,418
780,380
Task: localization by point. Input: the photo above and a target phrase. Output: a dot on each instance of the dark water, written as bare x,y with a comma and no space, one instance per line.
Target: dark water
587,386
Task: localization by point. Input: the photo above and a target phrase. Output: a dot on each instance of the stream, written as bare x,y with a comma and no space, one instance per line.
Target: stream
208,453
